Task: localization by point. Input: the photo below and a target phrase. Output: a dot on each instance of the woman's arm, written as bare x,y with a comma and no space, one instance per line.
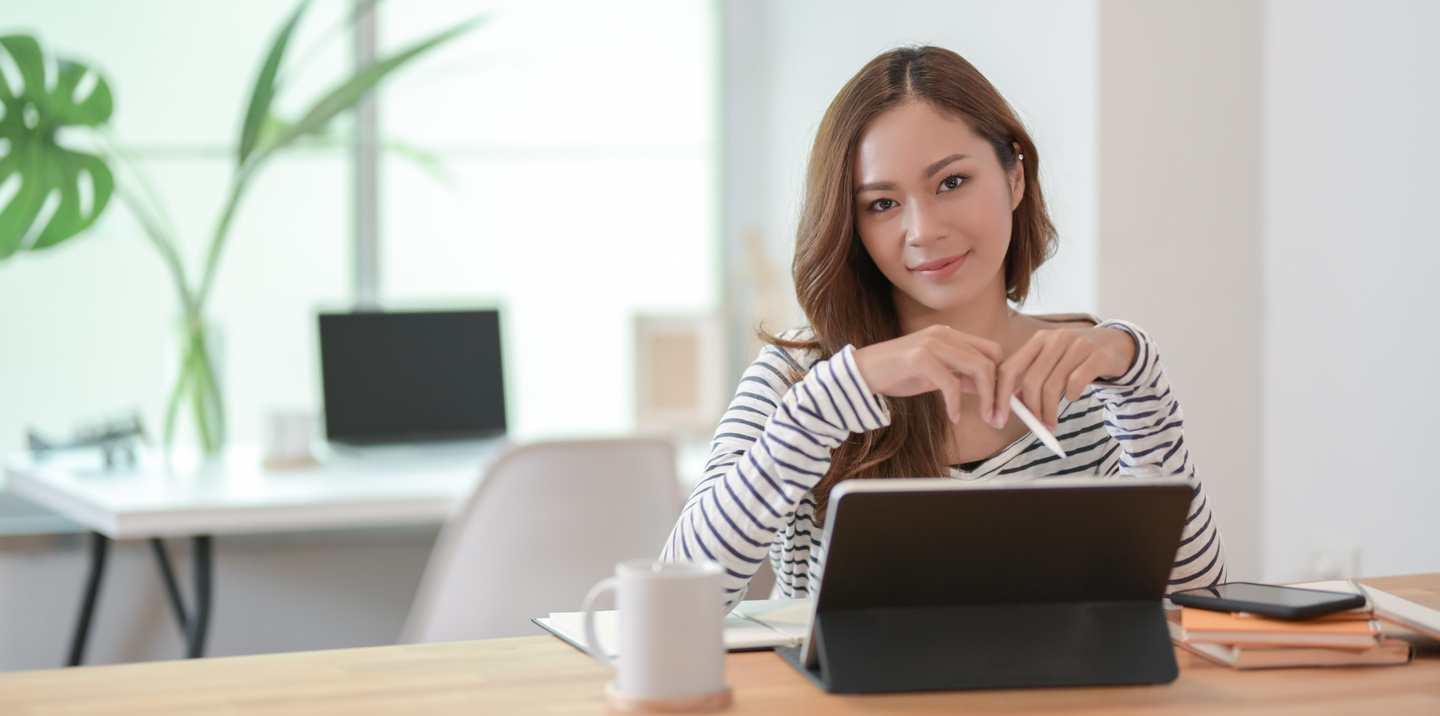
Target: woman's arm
772,446
1143,415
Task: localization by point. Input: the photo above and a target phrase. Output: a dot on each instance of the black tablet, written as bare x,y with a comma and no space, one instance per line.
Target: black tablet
1007,584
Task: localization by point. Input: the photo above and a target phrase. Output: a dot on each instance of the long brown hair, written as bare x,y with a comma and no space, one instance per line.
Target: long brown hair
843,293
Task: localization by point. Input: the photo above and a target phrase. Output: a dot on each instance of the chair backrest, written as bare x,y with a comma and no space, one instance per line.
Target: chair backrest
547,521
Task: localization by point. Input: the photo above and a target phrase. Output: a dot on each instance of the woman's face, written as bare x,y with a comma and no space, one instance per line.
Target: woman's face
933,207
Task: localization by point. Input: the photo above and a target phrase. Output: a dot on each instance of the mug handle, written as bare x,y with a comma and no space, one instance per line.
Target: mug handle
603,586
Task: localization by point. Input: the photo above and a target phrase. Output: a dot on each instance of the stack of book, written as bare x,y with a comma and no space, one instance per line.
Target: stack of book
1246,641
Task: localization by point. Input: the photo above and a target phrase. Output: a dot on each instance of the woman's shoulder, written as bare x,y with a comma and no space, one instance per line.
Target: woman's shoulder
1082,320
799,355
1067,320
799,334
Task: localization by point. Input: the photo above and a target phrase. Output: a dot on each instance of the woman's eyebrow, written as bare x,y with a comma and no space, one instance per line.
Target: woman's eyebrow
930,171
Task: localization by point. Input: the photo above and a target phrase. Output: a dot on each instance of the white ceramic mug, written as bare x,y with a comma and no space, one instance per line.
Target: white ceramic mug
672,617
288,434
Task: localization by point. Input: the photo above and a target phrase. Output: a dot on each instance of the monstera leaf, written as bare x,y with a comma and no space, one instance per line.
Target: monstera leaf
33,165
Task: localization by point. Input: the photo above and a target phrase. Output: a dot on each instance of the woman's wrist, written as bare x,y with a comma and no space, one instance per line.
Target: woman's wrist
1123,347
1139,359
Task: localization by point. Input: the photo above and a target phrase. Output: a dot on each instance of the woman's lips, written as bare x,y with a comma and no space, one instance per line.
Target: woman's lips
938,270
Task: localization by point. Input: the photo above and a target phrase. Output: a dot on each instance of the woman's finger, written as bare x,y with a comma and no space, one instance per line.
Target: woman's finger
966,356
967,385
1008,376
1076,354
989,349
980,372
1083,376
1032,384
947,383
936,358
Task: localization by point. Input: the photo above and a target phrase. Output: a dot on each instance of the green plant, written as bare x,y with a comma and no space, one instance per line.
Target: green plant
33,163
30,123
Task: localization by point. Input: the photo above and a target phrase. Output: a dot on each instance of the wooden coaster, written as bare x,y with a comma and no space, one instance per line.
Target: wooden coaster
678,704
290,463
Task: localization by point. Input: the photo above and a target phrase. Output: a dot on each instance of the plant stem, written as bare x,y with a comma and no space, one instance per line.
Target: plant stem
222,230
165,245
196,376
182,380
142,177
209,409
197,381
161,232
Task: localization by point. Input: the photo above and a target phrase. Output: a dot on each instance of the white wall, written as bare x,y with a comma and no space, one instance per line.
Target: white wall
787,60
1180,231
1266,211
1352,344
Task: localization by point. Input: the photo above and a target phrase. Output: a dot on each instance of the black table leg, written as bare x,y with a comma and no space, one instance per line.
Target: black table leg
194,623
162,560
99,547
200,618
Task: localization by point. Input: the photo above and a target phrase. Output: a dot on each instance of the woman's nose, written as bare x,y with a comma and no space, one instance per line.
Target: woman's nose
922,225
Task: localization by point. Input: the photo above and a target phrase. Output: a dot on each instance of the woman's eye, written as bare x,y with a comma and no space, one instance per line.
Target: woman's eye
952,182
882,204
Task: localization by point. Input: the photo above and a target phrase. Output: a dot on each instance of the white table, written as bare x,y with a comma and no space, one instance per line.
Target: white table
159,498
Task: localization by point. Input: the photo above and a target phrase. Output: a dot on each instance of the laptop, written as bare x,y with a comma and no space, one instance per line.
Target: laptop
394,378
936,584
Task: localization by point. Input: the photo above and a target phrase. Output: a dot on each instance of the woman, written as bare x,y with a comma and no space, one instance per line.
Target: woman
923,222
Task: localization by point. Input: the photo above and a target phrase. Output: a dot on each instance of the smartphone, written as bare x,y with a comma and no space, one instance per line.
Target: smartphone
1290,603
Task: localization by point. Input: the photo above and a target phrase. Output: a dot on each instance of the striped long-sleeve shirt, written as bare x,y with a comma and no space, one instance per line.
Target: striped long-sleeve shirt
774,444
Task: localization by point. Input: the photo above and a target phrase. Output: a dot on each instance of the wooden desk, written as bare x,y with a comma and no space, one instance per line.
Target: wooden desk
544,675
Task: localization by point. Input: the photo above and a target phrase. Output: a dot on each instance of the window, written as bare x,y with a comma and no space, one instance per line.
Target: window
581,142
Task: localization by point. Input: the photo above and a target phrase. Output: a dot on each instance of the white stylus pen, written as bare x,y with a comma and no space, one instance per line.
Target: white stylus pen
1031,422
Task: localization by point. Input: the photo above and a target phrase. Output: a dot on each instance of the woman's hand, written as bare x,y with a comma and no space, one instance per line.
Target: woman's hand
934,358
1061,362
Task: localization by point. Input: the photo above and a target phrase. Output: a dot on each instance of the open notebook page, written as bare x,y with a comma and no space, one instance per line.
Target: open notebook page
754,624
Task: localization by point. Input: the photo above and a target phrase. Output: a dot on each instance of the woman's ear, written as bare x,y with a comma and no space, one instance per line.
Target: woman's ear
1017,177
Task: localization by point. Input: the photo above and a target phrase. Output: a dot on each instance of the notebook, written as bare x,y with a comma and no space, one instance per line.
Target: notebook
753,625
1392,653
1204,626
1388,607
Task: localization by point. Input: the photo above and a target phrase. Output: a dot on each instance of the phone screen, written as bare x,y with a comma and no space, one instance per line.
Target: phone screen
1266,594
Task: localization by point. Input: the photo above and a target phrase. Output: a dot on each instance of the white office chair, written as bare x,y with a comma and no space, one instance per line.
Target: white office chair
547,521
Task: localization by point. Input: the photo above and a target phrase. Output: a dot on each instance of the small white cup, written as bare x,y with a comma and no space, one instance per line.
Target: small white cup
672,646
288,434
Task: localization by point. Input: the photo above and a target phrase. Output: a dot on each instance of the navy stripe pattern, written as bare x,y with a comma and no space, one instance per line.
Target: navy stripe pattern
775,440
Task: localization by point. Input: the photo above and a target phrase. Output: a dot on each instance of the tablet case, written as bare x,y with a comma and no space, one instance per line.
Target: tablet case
938,585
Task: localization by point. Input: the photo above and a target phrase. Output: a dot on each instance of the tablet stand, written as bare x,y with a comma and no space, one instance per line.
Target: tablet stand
988,647
936,585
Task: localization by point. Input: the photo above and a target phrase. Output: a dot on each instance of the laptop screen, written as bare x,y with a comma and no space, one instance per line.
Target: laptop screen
411,377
